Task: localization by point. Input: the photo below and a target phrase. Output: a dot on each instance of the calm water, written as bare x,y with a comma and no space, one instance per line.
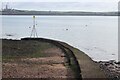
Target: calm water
96,36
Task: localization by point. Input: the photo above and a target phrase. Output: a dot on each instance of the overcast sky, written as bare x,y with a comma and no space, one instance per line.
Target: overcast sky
83,5
60,0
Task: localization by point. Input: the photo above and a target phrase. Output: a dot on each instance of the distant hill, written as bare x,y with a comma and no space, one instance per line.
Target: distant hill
62,13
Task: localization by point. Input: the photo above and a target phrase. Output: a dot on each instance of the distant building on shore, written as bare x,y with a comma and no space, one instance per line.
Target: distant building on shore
6,8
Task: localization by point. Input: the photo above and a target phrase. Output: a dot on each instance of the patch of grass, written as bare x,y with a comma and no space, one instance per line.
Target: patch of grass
12,49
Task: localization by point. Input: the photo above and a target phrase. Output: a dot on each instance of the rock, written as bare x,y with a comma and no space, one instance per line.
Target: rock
111,69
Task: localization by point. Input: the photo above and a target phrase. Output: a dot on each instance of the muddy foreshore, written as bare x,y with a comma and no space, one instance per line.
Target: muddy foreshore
82,65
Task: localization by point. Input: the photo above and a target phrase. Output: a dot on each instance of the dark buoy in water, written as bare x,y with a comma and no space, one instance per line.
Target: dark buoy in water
9,34
66,29
113,54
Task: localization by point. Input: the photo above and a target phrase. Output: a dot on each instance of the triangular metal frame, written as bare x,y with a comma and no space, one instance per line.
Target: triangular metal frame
34,32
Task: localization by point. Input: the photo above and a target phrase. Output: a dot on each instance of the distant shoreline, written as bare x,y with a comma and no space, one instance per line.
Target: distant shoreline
53,15
57,13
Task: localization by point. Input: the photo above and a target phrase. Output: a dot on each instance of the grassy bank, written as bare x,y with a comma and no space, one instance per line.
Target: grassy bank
23,49
75,61
45,59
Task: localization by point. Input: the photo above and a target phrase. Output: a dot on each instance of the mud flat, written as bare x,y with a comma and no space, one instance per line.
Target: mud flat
45,58
33,59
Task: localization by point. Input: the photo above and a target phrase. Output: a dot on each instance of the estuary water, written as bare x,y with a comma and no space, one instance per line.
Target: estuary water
97,36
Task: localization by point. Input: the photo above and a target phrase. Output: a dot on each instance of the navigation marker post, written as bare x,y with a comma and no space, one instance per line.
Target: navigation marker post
34,32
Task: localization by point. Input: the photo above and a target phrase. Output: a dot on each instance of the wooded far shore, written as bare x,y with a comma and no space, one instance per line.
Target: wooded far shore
59,13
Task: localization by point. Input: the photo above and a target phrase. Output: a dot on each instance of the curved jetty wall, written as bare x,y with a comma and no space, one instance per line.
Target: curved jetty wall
71,59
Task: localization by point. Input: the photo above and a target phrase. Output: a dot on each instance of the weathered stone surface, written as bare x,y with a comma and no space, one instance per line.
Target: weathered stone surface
111,68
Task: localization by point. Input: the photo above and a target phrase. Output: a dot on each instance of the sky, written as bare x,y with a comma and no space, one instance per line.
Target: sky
62,5
60,0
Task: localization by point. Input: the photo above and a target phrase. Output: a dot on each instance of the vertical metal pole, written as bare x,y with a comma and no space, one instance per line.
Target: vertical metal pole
34,26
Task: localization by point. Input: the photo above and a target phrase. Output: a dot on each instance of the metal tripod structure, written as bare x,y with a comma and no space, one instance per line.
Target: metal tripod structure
34,32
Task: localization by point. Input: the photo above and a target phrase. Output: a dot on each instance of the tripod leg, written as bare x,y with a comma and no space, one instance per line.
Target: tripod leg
31,33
